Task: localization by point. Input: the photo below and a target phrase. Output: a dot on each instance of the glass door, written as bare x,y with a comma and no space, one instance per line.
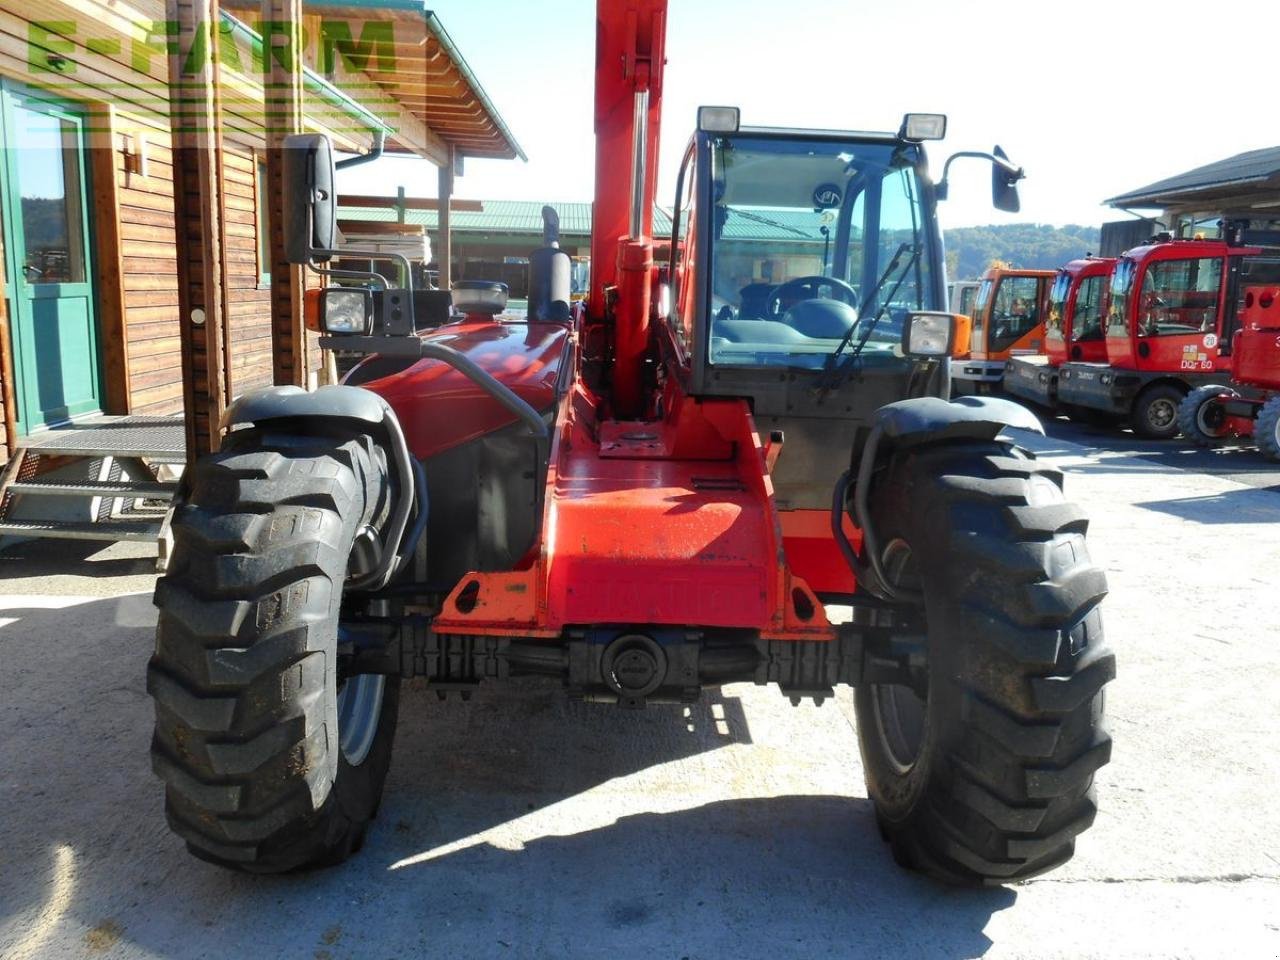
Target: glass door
48,249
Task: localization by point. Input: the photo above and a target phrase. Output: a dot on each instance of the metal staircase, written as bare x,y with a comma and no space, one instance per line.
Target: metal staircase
102,478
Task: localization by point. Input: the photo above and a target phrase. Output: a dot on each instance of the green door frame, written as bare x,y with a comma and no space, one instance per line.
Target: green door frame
32,301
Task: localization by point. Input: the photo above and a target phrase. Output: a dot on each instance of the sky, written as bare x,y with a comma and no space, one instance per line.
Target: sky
1093,99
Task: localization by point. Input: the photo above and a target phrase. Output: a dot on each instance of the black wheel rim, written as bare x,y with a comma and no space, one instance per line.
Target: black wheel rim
1161,413
1210,418
900,712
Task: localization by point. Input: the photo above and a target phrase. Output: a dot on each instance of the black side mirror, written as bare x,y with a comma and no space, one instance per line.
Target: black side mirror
310,199
1004,182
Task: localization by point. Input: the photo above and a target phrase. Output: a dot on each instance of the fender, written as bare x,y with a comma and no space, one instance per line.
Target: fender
278,403
904,424
909,423
348,408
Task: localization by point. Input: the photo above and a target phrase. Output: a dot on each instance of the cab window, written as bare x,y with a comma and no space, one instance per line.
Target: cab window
816,247
1179,297
683,237
1086,321
1015,311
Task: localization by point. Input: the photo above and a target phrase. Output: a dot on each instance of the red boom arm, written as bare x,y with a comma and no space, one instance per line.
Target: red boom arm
630,41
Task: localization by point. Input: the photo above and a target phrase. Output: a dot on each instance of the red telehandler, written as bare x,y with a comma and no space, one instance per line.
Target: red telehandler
1216,412
1073,331
644,496
1171,315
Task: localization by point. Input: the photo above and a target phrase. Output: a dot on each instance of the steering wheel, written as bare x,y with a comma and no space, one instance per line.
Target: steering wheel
806,288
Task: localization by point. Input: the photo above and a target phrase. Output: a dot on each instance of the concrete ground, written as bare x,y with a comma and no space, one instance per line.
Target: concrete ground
518,825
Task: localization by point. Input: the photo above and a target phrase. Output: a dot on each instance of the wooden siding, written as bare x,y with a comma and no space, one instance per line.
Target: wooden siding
150,360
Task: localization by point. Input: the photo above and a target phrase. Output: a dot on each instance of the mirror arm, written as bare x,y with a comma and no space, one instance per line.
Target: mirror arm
1013,171
376,278
400,258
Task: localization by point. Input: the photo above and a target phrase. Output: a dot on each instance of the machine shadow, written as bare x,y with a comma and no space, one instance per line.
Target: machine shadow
68,558
469,841
1243,505
783,876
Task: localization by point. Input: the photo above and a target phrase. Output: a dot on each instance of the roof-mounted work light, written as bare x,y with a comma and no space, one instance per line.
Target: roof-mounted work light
719,119
923,126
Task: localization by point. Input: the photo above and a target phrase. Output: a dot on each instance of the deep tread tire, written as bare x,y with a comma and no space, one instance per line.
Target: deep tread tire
244,675
1266,429
1002,782
1155,397
1192,418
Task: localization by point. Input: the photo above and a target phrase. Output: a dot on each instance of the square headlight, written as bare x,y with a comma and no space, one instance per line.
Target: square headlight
928,334
923,126
347,310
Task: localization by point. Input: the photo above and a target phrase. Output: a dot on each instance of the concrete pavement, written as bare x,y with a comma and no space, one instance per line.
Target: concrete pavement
518,825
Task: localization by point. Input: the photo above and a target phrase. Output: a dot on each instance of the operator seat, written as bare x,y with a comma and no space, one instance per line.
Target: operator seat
754,298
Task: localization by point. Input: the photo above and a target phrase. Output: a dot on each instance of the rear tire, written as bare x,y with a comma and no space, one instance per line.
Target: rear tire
1200,418
268,764
1155,412
988,778
1266,429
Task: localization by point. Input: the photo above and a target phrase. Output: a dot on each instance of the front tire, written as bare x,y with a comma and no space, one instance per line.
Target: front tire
986,775
271,761
1201,417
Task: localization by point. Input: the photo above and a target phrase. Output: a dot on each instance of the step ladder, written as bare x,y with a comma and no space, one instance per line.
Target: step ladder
102,478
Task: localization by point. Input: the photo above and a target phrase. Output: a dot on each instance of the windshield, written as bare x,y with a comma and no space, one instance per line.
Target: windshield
810,240
1121,282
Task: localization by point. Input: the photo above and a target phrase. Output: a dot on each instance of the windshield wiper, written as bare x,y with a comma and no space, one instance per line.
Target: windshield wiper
835,370
771,223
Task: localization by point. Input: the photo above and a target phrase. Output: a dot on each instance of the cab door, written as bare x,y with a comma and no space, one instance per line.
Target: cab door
1179,310
1016,321
44,201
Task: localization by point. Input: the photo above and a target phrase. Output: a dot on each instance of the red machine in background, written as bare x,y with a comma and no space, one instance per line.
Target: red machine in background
1172,314
643,497
1214,412
1074,329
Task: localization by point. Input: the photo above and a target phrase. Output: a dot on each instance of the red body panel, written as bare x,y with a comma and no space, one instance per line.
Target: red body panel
527,357
1256,350
1060,349
668,522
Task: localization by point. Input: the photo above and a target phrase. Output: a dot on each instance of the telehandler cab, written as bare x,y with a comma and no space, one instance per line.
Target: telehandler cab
644,496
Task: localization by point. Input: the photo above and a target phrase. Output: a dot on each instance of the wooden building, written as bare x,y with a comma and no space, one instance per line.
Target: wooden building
1243,187
90,318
